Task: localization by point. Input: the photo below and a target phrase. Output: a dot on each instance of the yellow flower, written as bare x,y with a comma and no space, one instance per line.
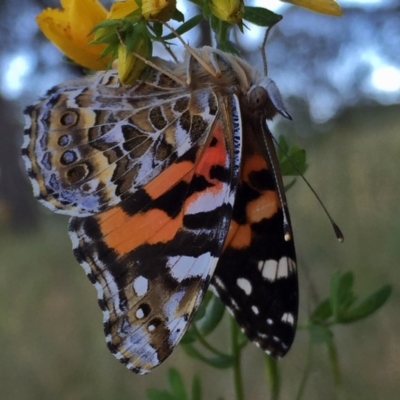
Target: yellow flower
68,29
121,8
158,9
322,6
227,10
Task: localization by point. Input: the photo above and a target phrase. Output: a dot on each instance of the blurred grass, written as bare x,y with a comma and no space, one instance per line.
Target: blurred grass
52,344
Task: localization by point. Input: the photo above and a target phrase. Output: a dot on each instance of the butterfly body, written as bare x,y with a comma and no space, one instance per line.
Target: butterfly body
170,188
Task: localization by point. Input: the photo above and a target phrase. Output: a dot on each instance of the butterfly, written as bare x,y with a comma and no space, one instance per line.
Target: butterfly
172,185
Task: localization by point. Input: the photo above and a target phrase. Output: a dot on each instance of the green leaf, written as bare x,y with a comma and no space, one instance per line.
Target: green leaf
346,295
105,24
221,362
157,29
177,386
214,314
178,16
322,312
294,164
334,294
320,334
201,312
189,337
283,147
367,307
111,38
261,16
292,160
185,27
199,3
341,294
155,394
196,389
214,23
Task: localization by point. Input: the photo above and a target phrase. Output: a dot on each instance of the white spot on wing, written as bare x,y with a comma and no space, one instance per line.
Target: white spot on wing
255,310
139,313
283,268
288,318
182,267
140,285
245,285
268,269
270,321
207,201
273,270
218,282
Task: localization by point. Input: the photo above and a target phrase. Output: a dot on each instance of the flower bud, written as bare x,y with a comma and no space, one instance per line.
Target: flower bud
158,9
129,66
227,10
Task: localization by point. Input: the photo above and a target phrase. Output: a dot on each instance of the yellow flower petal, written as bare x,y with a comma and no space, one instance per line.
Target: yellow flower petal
83,15
68,29
129,66
158,9
227,10
120,9
322,6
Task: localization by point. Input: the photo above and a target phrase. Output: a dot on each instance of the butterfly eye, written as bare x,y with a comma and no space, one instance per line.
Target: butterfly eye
257,98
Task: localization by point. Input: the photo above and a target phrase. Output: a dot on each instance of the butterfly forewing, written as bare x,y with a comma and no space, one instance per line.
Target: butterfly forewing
152,257
256,275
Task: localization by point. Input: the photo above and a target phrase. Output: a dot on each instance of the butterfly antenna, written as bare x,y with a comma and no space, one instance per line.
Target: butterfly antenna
274,165
338,232
263,50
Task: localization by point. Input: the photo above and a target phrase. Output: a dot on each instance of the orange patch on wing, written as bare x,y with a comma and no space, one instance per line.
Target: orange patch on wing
264,206
254,163
239,236
123,233
168,178
212,156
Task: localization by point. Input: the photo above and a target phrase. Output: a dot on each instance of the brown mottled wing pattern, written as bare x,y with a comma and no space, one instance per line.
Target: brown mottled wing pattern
91,143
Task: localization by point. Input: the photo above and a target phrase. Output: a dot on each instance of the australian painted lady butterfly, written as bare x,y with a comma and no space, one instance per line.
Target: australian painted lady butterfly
172,184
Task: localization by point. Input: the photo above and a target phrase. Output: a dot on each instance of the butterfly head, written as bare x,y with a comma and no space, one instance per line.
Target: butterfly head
264,99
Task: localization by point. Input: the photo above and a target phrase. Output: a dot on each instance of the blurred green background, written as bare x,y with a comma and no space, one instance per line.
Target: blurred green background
51,339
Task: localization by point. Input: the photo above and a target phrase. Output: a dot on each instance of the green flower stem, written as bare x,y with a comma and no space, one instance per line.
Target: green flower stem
207,345
223,30
306,372
334,361
273,376
237,371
